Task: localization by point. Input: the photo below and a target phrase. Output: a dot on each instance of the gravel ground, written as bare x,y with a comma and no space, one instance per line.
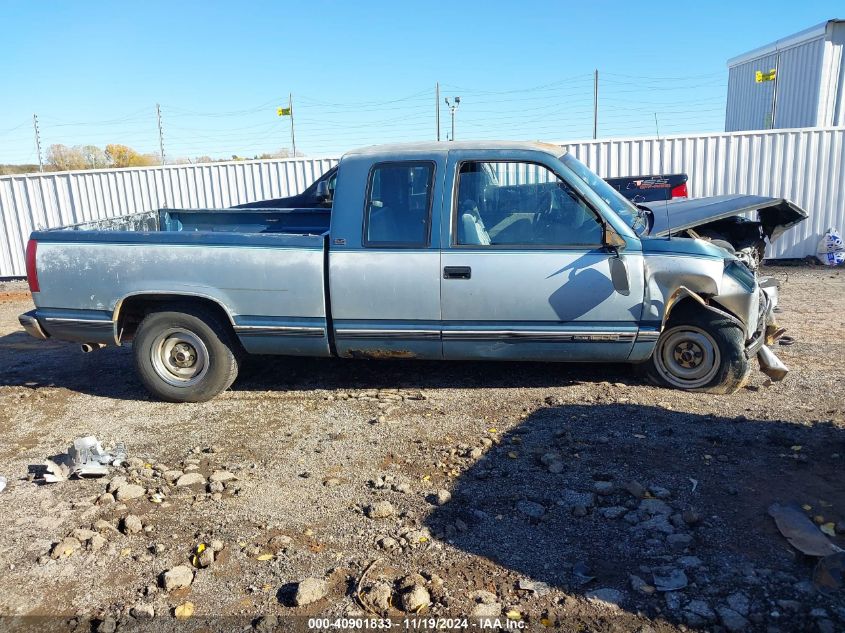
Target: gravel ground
557,496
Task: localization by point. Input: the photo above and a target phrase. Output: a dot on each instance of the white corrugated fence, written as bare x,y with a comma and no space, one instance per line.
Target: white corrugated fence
806,166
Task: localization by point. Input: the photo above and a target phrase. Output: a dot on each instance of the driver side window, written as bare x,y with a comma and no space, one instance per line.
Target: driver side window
521,204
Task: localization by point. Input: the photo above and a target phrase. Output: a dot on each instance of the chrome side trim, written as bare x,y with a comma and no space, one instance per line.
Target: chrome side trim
648,336
342,333
576,336
279,330
79,321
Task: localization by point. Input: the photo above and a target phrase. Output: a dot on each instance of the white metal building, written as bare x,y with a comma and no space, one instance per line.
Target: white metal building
807,88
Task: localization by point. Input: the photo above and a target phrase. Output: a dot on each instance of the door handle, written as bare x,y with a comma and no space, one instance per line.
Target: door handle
457,272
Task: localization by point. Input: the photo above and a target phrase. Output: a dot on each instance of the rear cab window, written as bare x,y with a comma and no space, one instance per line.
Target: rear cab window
397,210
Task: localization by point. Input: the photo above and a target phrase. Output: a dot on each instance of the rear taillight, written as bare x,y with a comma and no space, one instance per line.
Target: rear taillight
31,271
680,191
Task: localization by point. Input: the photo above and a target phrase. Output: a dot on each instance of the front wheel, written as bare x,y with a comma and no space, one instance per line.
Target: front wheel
699,351
185,354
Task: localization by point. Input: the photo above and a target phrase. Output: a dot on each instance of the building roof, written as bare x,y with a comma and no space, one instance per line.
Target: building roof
785,42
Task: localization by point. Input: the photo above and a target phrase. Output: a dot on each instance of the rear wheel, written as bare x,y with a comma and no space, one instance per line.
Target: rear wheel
185,354
699,351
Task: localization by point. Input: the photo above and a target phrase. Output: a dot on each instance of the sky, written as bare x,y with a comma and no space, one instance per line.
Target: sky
365,72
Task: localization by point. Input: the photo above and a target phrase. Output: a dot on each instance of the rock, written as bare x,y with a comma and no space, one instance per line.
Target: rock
732,620
116,483
170,476
130,491
65,548
659,491
190,479
579,511
380,596
101,525
530,508
105,499
572,498
83,534
142,611
689,562
310,590
699,608
669,579
401,486
96,543
613,512
606,597
184,611
673,601
221,476
415,599
653,507
217,545
267,624
635,488
216,487
603,488
485,605
691,517
279,543
178,577
641,586
555,468
443,497
331,482
131,524
388,543
739,602
107,625
380,510
679,542
534,586
658,523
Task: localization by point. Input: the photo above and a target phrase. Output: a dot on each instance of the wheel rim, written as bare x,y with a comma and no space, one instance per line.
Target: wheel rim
687,357
179,357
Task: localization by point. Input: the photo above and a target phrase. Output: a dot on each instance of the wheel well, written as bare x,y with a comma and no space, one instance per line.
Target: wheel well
133,309
687,306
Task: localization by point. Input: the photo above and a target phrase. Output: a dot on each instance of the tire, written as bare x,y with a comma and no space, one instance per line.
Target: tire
185,354
699,351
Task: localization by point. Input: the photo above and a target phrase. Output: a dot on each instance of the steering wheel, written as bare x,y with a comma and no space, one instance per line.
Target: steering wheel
549,211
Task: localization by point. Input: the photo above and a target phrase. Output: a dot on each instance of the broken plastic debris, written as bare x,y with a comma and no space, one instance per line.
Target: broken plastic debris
2,483
800,531
670,580
86,458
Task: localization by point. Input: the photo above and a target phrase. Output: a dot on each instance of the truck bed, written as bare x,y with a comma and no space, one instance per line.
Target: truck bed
264,268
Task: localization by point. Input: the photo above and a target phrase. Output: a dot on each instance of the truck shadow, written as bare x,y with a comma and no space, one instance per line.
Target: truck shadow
110,373
548,503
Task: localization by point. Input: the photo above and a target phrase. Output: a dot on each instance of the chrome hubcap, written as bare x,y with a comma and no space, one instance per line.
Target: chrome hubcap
179,357
687,357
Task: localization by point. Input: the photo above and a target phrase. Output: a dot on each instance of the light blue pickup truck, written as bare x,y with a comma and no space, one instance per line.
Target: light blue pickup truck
494,251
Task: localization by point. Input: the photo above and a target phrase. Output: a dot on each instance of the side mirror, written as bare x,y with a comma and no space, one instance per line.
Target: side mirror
323,193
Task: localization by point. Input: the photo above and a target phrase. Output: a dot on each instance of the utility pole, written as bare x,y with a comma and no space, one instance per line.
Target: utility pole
596,104
453,107
37,141
437,108
160,133
292,137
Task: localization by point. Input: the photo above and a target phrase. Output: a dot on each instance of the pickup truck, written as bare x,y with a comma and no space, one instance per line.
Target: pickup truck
482,251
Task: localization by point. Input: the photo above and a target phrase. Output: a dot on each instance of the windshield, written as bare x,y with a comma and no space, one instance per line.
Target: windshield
615,200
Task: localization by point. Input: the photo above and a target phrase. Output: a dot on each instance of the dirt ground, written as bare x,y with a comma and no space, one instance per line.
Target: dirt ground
549,496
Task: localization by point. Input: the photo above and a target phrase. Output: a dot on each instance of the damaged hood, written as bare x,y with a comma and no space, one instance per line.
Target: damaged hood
776,215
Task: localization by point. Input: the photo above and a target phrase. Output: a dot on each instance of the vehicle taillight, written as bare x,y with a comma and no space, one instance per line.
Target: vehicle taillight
680,191
31,271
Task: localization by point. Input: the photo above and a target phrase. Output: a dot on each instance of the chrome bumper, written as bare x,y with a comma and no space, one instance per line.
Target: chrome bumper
30,323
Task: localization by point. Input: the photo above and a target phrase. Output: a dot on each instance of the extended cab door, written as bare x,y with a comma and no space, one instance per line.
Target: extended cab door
525,272
384,256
